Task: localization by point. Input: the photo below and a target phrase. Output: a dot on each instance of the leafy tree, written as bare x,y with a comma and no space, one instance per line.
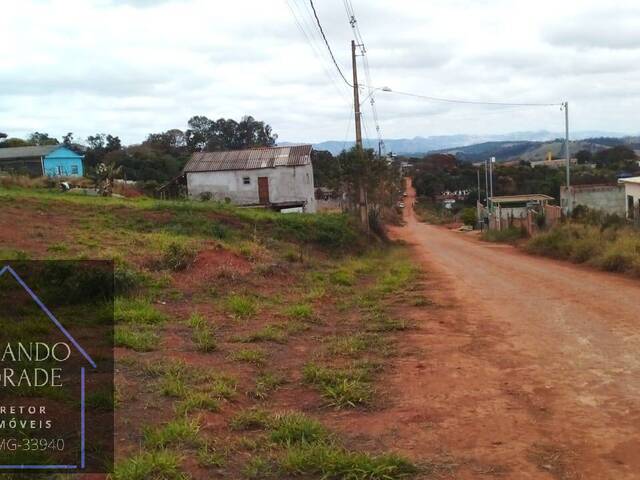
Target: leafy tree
204,134
37,138
326,169
14,142
3,135
172,141
584,156
99,145
618,157
67,140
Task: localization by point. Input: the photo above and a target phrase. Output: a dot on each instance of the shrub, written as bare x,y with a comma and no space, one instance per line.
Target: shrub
177,257
219,231
611,249
468,216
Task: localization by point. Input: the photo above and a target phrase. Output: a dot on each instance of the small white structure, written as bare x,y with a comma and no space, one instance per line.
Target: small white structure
632,195
279,177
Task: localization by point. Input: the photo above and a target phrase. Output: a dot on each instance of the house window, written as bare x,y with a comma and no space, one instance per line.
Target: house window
246,180
74,169
59,169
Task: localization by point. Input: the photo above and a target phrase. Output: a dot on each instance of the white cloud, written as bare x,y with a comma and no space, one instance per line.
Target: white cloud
131,67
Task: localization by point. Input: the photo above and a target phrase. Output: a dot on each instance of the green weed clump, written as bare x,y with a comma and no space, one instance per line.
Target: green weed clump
241,306
156,464
203,334
251,419
136,311
255,357
302,311
141,338
181,431
294,427
342,388
266,383
333,462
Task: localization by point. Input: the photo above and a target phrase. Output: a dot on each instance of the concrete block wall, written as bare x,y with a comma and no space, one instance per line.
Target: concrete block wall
605,198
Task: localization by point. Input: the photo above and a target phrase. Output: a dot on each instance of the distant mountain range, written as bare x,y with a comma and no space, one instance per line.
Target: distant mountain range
419,146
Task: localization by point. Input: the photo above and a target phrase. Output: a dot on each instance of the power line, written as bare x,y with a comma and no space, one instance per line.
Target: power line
474,102
317,50
315,14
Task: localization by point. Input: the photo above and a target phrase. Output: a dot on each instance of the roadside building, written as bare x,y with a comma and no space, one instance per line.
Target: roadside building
604,198
46,160
519,211
516,206
559,163
278,177
632,196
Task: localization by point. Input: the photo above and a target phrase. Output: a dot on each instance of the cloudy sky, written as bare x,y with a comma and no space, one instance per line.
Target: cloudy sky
132,67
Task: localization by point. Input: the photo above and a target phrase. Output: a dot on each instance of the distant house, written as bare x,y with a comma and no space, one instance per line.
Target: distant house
559,163
47,160
278,177
632,194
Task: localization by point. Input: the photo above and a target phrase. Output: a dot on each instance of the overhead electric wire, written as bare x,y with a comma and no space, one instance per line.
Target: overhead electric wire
474,102
315,14
303,27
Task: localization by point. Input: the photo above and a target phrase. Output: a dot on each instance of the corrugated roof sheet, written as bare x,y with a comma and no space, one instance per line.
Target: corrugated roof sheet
25,152
266,157
535,197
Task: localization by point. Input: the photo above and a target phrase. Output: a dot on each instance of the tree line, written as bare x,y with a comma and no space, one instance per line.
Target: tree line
436,173
161,156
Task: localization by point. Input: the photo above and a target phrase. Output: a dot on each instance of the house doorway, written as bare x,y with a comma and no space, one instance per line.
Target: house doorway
630,207
263,190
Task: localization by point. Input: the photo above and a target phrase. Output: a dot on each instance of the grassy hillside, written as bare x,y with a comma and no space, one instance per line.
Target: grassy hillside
239,332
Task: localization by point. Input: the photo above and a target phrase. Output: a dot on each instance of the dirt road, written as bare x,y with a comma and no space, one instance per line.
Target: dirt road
528,367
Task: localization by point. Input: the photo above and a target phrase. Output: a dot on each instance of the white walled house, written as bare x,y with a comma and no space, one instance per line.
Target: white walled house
279,177
632,195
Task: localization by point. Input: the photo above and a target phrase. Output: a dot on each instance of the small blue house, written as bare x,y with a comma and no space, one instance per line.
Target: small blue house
46,160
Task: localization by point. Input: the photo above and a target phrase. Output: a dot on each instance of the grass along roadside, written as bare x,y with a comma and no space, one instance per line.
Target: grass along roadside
199,346
610,247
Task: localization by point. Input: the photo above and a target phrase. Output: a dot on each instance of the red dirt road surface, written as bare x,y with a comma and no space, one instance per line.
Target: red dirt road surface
529,368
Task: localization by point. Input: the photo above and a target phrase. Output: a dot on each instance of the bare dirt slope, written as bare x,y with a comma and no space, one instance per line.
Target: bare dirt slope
529,368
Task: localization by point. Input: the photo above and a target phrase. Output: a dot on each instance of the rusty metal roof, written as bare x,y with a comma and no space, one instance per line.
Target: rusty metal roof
264,157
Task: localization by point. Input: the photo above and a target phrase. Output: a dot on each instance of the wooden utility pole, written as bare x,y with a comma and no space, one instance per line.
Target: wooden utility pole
362,195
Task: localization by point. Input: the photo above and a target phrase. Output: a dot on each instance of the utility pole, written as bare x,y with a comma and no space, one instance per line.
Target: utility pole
491,161
567,150
486,183
362,196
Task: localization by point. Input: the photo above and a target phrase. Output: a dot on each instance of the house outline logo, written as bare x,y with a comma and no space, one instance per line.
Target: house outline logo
87,357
